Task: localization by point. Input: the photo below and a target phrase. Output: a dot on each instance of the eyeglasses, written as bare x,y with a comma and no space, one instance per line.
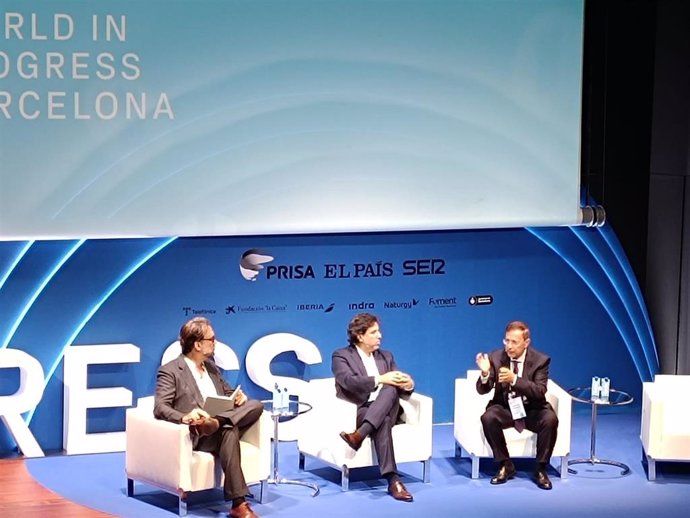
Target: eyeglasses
209,339
507,341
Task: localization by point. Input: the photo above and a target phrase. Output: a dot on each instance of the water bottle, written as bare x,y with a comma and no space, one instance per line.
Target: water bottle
284,400
605,387
294,403
596,387
277,402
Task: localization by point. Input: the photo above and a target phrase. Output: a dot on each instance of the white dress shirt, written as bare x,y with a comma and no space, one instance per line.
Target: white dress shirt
202,378
372,370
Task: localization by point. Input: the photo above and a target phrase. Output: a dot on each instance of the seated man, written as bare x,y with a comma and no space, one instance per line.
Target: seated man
369,378
519,374
183,384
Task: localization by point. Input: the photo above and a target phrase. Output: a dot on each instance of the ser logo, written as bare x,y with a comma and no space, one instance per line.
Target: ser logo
424,267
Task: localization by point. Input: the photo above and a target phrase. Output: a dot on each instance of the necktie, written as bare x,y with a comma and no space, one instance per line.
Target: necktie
519,423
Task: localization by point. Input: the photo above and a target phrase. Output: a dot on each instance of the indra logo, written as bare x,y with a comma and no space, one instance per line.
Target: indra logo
252,262
361,305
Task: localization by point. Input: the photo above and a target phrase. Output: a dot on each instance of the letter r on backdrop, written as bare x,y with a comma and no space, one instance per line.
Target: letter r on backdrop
26,398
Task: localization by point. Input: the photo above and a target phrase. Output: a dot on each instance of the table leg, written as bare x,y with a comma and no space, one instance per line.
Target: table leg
593,437
275,446
276,479
592,450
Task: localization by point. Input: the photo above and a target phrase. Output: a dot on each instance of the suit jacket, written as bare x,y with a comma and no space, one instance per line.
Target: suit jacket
352,383
532,384
177,393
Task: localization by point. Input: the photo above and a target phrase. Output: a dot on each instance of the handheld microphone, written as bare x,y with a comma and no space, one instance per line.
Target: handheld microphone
505,385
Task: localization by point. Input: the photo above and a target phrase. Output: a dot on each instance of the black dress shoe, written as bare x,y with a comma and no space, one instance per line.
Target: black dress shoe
354,439
208,426
542,479
504,473
398,491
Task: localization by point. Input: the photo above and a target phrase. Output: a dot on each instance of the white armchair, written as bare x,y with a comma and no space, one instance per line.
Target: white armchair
665,430
469,435
160,453
319,435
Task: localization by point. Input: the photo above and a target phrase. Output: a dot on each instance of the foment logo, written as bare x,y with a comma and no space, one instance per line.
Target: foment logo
251,263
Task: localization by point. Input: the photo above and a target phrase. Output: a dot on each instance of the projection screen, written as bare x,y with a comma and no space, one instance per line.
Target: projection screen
123,118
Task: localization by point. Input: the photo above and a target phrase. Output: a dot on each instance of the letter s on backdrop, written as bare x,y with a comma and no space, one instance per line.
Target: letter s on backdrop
258,361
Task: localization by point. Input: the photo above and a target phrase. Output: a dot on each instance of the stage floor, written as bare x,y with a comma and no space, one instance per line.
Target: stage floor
98,481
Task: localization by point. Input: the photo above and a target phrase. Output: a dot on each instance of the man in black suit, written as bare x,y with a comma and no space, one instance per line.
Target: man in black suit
519,374
368,377
183,384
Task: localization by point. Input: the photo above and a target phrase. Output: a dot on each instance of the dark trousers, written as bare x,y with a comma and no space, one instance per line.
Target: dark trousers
382,414
225,444
542,421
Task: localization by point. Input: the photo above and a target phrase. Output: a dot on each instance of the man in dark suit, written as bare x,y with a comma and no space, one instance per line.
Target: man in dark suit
519,374
183,384
367,376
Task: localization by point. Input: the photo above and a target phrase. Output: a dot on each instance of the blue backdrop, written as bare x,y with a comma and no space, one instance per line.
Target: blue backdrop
572,285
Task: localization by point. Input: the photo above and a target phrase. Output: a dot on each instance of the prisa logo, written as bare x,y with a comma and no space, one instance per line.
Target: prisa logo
297,271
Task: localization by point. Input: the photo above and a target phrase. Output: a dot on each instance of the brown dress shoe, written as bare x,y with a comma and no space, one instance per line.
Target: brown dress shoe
243,511
398,491
354,439
208,426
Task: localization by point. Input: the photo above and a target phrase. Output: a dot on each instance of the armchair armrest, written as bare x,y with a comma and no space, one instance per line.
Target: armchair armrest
664,431
469,407
650,429
330,415
417,409
157,451
259,434
562,404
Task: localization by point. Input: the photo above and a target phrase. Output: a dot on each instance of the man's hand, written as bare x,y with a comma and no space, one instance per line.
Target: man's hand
505,375
397,379
195,416
483,363
240,398
406,382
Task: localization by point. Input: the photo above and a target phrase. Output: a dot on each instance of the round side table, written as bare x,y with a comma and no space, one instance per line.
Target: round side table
294,409
616,398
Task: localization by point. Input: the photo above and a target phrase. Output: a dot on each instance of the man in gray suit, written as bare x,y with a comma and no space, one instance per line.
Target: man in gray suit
183,384
519,374
369,377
